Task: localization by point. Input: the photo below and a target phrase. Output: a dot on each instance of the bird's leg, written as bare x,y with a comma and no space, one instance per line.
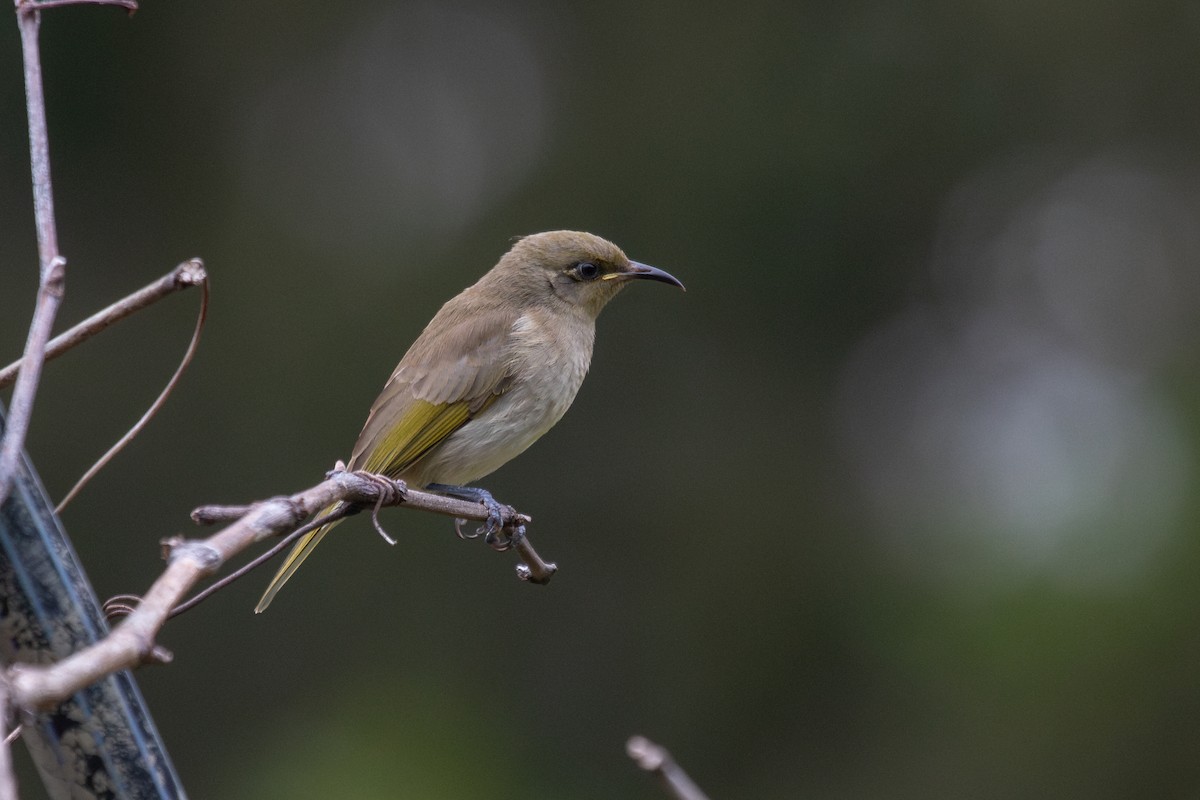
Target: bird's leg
496,517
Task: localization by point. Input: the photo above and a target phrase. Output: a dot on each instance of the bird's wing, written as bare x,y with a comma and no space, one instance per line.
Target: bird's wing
434,391
441,383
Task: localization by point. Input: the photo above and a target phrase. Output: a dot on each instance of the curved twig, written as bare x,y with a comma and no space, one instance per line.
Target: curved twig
158,403
189,273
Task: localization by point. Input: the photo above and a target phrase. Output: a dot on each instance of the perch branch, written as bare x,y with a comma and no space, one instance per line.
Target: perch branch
534,569
189,273
654,758
132,641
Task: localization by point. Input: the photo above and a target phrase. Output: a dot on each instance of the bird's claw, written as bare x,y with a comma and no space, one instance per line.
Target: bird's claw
501,530
458,529
508,539
503,527
487,530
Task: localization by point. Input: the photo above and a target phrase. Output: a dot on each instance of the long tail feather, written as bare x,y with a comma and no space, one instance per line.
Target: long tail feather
301,551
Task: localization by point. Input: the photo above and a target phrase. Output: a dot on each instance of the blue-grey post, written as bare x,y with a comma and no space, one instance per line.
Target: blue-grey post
101,742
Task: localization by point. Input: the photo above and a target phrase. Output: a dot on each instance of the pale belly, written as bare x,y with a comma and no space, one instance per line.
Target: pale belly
504,430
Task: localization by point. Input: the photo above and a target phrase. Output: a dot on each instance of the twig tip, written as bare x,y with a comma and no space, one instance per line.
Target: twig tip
645,753
191,272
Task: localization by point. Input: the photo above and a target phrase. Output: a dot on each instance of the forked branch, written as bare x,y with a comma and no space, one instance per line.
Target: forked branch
189,273
132,642
52,266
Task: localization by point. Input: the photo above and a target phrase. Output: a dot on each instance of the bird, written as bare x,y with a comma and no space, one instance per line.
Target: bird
493,371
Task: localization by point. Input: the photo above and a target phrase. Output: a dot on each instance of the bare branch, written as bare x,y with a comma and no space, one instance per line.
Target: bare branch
246,569
129,5
189,561
52,266
189,273
159,401
534,570
211,515
29,21
654,758
52,273
8,781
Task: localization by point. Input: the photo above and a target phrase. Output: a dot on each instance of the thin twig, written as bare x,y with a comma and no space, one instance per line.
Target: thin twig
8,780
129,5
258,561
52,269
534,570
189,273
29,21
131,642
211,515
154,408
654,758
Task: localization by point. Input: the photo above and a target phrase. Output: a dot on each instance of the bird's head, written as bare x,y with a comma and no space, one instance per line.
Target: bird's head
580,269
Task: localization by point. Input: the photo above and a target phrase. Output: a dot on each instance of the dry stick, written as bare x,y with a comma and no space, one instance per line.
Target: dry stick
189,273
534,569
51,287
154,408
129,5
258,561
52,278
654,758
52,266
132,641
8,780
53,273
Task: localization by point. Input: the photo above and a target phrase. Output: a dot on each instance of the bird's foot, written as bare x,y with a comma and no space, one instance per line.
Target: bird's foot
501,530
507,538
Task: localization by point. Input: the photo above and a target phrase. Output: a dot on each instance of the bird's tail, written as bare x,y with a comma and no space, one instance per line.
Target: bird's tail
301,551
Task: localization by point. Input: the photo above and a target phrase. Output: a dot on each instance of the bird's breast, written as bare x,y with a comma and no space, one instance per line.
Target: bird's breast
548,357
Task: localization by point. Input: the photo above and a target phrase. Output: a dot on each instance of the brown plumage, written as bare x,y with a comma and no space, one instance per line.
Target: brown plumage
496,367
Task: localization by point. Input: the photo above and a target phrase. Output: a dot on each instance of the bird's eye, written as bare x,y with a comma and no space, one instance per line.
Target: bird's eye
587,270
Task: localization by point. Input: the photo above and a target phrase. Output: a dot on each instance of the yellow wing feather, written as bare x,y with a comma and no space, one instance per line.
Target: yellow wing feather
424,426
433,392
301,551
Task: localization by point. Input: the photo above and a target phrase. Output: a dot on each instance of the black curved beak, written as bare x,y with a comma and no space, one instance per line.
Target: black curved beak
637,270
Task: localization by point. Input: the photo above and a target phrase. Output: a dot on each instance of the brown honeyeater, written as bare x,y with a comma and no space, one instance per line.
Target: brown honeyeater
495,368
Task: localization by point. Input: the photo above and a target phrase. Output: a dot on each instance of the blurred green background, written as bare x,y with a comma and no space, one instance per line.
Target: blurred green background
897,501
